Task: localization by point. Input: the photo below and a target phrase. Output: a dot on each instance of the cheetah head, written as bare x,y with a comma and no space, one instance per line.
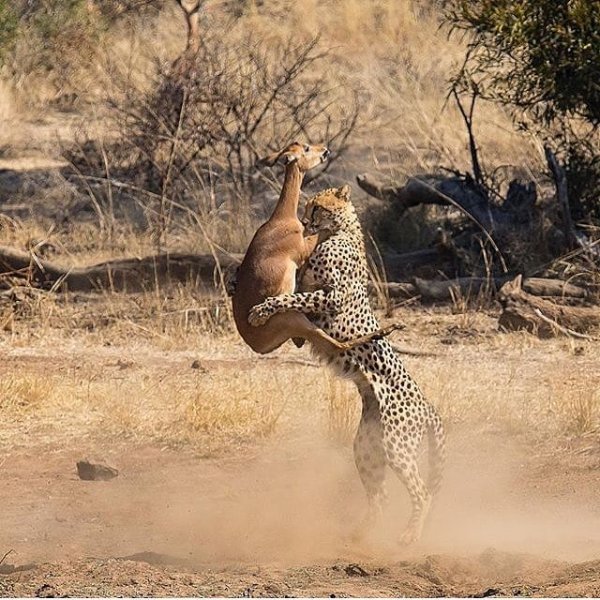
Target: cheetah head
328,210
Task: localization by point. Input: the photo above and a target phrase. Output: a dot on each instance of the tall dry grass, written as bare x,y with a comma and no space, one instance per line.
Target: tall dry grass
395,55
141,393
166,318
147,399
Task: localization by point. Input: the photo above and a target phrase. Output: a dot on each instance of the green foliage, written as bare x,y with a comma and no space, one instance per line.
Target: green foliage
582,167
542,56
9,24
63,27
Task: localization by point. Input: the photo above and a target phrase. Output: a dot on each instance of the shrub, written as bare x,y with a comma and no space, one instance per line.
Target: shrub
9,24
191,143
540,58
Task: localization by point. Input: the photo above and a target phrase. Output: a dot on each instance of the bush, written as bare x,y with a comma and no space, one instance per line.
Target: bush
59,42
191,143
9,24
55,40
541,58
232,102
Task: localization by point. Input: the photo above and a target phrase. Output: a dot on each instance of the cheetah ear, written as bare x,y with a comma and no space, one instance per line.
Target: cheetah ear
344,192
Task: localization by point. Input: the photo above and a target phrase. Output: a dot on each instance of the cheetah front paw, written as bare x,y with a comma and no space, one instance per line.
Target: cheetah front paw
259,315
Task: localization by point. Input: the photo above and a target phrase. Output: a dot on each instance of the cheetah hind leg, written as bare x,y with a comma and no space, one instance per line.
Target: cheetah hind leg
408,472
422,495
369,528
370,461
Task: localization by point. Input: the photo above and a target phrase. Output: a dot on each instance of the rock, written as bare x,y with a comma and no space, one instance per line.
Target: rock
95,472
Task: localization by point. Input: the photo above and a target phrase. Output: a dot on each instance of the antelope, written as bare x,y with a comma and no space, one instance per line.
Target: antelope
275,254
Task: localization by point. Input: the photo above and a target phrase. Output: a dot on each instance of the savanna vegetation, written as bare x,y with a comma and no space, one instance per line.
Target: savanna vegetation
133,129
129,188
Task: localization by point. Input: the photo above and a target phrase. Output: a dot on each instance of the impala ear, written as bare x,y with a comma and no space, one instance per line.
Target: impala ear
344,192
287,157
283,158
268,161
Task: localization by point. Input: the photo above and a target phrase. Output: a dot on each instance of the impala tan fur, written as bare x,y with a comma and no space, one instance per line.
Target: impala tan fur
276,252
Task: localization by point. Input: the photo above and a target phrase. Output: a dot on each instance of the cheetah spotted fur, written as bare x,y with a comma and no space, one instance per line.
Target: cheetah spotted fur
395,415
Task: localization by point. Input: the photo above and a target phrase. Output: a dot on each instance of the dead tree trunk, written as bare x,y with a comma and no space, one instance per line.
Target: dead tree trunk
467,286
458,192
441,291
521,310
128,274
560,181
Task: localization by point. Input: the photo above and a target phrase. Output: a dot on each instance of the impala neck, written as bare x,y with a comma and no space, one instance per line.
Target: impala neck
287,206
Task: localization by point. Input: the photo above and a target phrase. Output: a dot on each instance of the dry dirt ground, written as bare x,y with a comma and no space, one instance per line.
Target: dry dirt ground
519,513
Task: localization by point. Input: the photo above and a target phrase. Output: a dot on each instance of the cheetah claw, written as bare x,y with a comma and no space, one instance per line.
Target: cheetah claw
258,316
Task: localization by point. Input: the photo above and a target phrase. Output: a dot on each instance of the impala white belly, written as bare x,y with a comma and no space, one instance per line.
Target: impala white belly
288,285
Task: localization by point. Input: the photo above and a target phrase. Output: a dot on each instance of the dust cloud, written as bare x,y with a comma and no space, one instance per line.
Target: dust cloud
300,501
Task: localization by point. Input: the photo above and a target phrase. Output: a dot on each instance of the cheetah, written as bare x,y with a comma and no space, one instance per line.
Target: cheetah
276,252
395,414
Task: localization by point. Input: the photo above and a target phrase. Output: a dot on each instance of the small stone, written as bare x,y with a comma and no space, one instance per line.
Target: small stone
95,472
198,365
46,591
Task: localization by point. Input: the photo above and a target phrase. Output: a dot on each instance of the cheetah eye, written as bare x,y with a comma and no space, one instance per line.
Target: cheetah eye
307,148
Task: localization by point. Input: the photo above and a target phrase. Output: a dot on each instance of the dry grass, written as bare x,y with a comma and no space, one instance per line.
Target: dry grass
169,319
526,393
393,53
204,410
397,58
24,394
123,363
152,395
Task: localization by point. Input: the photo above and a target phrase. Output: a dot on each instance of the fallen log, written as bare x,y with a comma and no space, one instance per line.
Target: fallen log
458,192
465,286
542,317
128,274
541,286
395,289
421,262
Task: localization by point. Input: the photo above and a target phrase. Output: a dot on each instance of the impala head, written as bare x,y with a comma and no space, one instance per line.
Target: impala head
305,155
329,210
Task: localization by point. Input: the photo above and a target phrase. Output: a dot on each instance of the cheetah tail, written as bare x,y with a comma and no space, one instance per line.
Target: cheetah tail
437,451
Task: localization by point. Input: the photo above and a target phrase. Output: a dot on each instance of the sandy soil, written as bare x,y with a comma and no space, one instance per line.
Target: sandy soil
277,519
